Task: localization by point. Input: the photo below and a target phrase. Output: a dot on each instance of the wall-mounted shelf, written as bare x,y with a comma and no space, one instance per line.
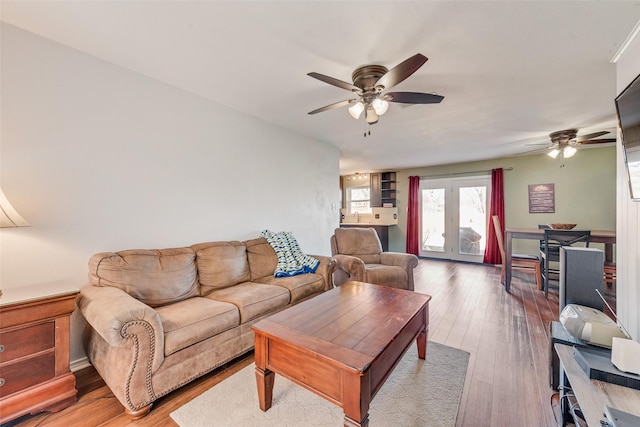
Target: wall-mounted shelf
386,189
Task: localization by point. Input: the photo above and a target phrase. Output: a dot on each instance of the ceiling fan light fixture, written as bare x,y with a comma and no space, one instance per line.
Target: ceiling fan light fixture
553,153
356,110
568,151
380,105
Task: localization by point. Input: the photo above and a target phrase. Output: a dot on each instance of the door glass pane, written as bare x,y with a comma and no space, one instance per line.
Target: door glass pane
433,220
473,202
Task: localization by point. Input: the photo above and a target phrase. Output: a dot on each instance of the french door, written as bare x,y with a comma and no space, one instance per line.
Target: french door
454,214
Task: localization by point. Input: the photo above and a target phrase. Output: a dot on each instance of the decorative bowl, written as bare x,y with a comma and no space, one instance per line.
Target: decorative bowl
562,226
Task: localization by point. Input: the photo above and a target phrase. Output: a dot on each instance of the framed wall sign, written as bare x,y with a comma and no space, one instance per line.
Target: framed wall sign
542,198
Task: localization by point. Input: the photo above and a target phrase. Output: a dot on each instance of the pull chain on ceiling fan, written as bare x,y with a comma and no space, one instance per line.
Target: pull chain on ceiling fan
370,81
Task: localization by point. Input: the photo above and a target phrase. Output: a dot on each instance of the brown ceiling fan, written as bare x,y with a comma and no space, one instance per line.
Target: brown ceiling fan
565,142
370,81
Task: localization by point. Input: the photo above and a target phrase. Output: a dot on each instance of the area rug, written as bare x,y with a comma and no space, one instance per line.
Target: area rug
417,393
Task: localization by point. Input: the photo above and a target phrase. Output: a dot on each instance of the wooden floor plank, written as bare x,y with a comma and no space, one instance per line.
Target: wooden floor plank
506,335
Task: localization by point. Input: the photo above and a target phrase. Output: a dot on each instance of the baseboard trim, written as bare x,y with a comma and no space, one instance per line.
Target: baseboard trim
78,364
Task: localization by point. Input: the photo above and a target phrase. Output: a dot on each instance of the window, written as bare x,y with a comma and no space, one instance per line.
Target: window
359,200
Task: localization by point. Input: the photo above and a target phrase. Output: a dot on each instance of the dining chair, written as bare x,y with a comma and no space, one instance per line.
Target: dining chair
560,238
553,247
522,261
609,273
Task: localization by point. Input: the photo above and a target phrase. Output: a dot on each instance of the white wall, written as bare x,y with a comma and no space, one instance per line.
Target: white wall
98,158
628,215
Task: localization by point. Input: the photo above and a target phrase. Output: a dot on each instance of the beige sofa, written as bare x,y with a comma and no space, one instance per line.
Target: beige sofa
158,319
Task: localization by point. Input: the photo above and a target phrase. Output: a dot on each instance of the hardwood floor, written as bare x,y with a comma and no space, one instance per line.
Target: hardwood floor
506,335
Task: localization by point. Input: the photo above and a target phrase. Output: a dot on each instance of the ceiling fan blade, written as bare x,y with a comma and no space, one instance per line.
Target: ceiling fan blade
537,150
531,144
334,105
334,82
401,71
591,135
414,97
598,141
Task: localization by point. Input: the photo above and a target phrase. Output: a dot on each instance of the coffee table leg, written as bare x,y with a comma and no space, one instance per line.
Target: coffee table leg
264,380
356,396
421,341
348,422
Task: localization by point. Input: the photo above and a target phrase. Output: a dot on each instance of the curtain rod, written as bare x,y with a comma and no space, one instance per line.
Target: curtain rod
463,173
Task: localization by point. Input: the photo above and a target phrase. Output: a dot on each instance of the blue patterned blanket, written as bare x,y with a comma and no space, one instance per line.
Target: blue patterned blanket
291,260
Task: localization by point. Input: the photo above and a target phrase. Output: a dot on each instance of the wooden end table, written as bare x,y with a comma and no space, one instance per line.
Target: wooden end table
341,345
34,350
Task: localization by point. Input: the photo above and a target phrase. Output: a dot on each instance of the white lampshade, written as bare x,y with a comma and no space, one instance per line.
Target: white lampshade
356,109
372,116
568,151
553,153
8,215
380,105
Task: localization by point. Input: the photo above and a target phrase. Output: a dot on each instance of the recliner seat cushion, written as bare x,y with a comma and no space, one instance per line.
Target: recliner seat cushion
190,321
155,277
221,264
386,275
253,299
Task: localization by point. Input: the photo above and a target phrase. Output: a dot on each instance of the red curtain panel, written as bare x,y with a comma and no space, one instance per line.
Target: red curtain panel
413,226
492,251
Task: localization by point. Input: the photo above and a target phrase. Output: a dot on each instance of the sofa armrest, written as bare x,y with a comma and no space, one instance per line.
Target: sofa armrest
325,269
354,267
123,321
399,259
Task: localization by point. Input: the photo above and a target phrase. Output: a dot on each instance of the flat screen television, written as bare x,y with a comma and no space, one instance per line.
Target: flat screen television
628,110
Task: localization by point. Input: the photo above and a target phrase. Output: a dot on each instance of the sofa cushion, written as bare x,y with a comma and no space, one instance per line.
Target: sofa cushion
363,243
386,275
221,264
300,286
155,277
262,258
191,321
253,299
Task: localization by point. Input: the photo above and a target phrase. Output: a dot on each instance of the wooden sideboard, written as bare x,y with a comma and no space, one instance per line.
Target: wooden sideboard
34,351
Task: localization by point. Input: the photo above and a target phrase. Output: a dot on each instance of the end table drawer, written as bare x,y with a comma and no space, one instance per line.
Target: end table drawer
20,375
26,341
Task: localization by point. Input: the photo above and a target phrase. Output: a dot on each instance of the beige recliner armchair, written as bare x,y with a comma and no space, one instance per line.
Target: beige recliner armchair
358,256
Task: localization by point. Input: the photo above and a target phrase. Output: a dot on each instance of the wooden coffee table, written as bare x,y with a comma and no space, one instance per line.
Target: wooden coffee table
341,345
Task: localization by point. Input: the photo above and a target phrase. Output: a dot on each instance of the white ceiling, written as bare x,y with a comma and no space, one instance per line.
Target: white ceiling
510,72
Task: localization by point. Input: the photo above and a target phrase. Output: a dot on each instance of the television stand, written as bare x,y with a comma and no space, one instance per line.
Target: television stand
592,395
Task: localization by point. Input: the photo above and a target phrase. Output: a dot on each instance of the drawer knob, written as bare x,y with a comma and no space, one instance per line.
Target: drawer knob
1,348
1,382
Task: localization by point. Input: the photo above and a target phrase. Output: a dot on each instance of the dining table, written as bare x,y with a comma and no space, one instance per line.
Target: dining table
608,237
